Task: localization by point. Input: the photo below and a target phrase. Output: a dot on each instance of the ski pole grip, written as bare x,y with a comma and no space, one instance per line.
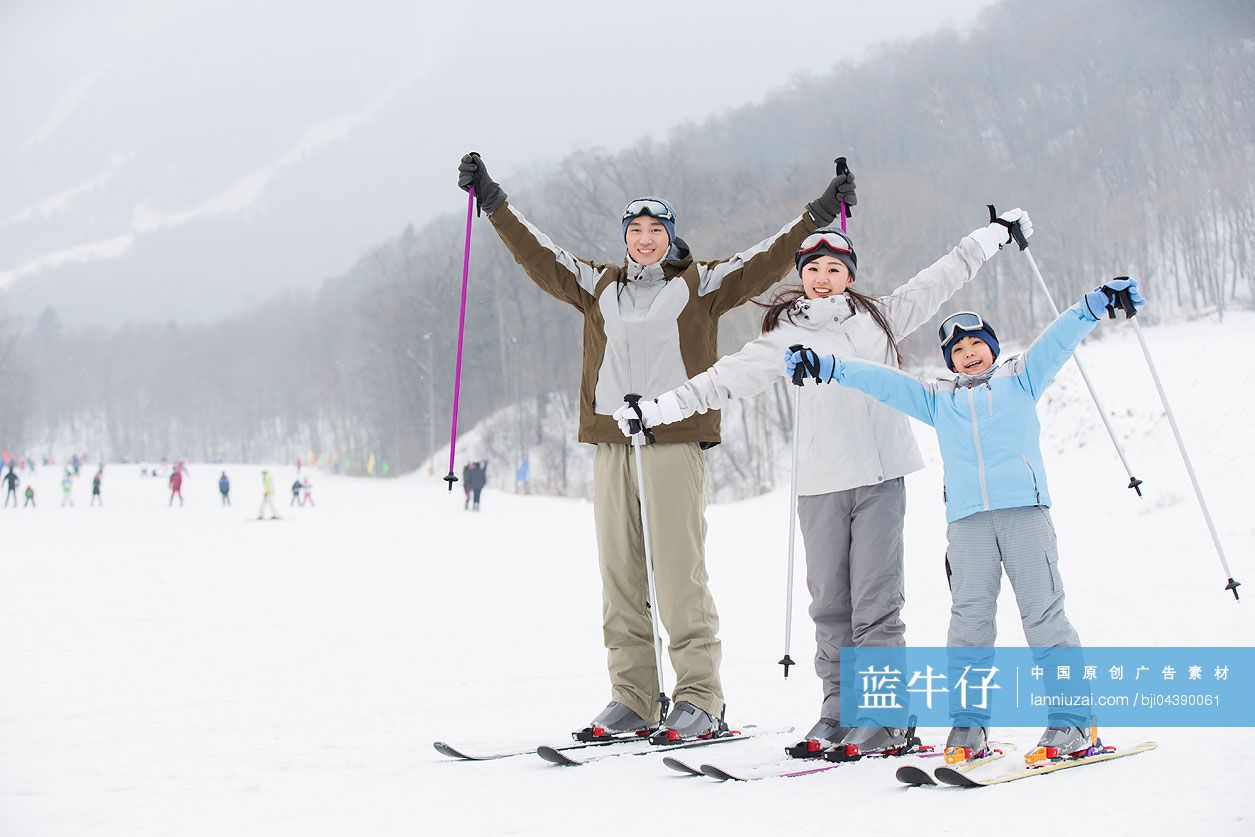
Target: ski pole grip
1122,299
842,167
798,371
1017,234
632,400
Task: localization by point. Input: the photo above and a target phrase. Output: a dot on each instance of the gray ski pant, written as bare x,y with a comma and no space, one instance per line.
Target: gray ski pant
1021,540
675,494
854,550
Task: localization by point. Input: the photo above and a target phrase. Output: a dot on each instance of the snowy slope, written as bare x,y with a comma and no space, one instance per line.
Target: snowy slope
192,672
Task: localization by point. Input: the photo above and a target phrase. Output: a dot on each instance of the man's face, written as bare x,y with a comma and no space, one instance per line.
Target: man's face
647,240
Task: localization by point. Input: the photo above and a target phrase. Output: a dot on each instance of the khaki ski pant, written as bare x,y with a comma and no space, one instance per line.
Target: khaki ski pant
675,491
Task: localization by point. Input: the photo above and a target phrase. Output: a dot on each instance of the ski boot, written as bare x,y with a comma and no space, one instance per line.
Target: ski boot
825,735
686,723
875,741
1064,742
615,721
966,743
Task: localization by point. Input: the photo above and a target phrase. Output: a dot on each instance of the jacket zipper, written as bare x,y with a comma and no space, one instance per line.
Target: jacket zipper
980,456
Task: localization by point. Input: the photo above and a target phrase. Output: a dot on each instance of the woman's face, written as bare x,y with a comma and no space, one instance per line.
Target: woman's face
824,277
647,240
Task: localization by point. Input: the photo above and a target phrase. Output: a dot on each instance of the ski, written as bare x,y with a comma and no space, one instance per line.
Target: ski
557,756
916,776
954,777
464,755
786,770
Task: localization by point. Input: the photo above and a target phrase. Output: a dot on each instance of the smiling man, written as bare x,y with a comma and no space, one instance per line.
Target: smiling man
650,323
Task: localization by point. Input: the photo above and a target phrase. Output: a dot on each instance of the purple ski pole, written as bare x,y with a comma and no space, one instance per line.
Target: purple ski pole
451,478
842,168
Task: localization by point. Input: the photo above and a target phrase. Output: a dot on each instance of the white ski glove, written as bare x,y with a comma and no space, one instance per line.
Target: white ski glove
993,237
665,409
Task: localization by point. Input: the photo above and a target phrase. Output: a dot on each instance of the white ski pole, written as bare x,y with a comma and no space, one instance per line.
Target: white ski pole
1124,300
786,660
1018,235
639,432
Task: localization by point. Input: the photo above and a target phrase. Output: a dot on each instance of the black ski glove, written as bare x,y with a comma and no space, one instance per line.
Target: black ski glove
825,208
488,194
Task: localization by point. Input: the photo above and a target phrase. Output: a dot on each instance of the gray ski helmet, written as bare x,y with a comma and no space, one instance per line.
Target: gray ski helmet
655,207
828,241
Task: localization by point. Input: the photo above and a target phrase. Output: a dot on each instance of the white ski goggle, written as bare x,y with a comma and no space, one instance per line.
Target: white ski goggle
963,321
648,206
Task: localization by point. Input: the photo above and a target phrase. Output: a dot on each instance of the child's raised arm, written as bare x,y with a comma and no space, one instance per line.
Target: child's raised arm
890,386
1042,360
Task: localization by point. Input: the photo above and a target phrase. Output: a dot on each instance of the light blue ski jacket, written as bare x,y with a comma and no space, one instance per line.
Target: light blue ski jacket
986,424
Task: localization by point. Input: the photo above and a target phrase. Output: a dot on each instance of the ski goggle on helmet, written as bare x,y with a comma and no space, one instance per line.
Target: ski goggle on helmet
825,242
652,207
963,321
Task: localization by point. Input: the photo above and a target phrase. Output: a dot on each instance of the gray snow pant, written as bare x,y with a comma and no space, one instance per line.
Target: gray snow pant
854,573
1021,540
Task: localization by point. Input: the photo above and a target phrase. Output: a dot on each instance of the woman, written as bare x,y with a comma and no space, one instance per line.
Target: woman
854,452
649,323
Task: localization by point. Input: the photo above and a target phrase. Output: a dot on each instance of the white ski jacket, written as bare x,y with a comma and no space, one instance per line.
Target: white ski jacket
847,438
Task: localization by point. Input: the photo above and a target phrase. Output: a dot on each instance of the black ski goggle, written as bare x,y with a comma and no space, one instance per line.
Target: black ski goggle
963,321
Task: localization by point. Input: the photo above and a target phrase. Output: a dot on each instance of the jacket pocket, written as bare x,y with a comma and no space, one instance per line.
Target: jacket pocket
1032,475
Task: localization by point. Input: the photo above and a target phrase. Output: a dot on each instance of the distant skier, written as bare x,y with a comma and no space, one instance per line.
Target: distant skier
224,488
997,502
30,497
267,497
307,492
466,484
96,500
67,487
11,480
176,485
296,494
478,479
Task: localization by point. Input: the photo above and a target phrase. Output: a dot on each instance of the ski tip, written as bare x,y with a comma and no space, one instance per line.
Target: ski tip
914,776
445,750
952,777
716,773
680,767
552,756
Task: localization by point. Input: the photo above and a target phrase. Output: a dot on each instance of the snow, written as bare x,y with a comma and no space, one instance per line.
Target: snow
190,671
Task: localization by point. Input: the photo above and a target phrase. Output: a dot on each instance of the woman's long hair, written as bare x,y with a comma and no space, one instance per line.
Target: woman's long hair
782,304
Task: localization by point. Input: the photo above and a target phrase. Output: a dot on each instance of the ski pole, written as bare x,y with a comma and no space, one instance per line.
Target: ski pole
842,168
1018,235
786,660
639,432
451,478
1124,300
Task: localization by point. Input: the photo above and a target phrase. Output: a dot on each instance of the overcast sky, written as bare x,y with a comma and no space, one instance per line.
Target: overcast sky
295,134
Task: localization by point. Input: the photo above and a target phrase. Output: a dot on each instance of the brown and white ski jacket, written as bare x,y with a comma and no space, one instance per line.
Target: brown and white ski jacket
647,329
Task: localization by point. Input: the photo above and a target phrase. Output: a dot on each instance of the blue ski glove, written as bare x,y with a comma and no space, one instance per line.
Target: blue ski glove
1101,300
820,367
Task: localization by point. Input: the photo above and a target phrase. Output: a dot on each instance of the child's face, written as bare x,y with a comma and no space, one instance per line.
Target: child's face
824,277
971,356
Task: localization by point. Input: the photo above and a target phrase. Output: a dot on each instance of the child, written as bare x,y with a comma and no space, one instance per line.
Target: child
30,497
995,483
